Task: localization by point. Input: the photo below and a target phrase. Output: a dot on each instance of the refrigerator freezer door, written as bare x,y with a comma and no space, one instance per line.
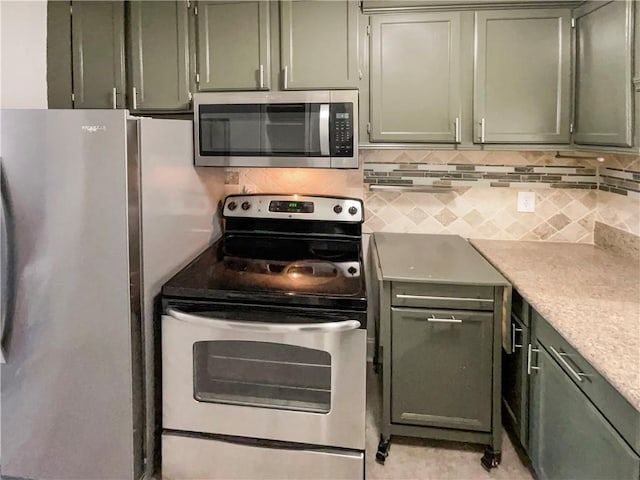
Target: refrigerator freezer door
67,397
179,219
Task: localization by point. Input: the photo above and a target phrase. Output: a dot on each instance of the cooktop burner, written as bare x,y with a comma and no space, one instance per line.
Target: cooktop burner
291,260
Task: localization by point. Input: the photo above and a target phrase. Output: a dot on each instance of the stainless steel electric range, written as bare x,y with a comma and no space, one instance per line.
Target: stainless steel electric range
264,345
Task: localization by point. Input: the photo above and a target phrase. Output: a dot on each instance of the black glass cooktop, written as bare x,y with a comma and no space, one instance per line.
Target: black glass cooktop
267,270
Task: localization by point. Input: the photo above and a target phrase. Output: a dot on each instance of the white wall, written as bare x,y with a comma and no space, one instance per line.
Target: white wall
23,54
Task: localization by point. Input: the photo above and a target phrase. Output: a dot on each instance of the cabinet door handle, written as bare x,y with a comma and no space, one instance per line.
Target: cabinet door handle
444,320
482,130
529,366
515,329
114,98
135,99
261,76
457,129
286,77
560,356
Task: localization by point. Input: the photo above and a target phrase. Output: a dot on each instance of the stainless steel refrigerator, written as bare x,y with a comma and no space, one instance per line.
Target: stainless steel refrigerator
98,210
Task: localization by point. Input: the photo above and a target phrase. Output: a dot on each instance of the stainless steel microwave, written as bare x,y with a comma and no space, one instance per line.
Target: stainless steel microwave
316,129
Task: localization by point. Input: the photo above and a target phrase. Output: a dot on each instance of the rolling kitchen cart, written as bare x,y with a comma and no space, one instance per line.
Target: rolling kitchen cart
439,316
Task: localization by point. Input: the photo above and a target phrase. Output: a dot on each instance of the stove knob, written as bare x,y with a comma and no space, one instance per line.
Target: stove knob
246,205
353,210
337,209
352,270
232,206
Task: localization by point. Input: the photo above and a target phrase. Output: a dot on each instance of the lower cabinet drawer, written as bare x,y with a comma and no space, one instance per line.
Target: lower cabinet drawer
186,457
441,368
428,295
618,411
570,439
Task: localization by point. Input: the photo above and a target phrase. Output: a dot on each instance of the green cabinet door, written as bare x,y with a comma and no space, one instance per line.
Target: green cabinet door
604,105
98,54
569,437
441,368
319,44
59,82
159,55
233,45
515,381
522,76
415,78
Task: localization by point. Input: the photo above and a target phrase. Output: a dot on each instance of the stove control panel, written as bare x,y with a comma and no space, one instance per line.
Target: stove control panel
303,207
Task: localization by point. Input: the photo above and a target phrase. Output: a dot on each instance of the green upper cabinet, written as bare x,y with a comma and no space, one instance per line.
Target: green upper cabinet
522,76
98,54
159,55
319,44
233,45
604,105
415,77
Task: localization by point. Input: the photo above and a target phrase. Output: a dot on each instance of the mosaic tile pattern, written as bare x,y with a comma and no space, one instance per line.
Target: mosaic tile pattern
465,175
561,215
620,181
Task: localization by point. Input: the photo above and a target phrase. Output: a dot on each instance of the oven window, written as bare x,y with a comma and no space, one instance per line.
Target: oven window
261,374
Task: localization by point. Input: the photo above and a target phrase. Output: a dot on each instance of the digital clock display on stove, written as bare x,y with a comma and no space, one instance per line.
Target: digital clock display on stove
290,206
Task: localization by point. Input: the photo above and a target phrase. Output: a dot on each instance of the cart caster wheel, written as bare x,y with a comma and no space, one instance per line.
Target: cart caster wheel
383,449
490,459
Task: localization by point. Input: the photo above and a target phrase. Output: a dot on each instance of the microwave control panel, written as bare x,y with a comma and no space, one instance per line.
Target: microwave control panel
341,128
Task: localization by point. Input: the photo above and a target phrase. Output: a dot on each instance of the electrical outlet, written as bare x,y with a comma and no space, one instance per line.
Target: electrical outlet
526,202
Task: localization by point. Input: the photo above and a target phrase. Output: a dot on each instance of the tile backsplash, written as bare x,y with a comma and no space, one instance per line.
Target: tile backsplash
480,195
561,215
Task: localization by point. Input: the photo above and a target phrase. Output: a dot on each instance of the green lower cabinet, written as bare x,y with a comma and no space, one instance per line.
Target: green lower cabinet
159,55
415,78
604,102
515,382
522,76
98,54
570,439
441,368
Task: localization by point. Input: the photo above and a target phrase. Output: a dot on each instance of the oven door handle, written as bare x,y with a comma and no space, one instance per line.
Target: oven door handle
328,327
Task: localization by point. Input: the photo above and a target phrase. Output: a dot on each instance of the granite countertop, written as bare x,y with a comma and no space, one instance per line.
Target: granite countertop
589,295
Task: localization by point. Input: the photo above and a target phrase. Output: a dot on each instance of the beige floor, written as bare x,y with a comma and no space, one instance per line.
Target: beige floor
411,458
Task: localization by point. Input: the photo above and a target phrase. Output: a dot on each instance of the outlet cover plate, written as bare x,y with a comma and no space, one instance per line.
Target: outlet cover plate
526,201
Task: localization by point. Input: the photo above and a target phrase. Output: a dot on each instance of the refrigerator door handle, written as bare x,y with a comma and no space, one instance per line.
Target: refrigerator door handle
3,287
7,268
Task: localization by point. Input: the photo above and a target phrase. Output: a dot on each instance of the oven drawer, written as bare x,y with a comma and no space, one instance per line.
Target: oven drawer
457,297
198,458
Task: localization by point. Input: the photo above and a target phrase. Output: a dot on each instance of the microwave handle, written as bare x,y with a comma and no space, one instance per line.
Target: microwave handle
324,130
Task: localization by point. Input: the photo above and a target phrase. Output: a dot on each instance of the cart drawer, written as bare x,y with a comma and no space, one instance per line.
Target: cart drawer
458,297
618,411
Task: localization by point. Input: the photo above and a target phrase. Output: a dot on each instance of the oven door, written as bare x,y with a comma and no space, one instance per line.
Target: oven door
292,382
